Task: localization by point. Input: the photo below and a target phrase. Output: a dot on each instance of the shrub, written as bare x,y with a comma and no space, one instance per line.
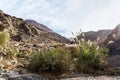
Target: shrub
4,38
85,56
54,61
89,56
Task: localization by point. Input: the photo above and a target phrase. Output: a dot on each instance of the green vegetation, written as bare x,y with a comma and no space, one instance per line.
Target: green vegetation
54,61
86,57
90,56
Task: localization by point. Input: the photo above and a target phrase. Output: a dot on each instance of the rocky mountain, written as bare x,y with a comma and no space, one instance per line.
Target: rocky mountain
92,35
115,34
51,34
39,25
108,38
114,47
28,34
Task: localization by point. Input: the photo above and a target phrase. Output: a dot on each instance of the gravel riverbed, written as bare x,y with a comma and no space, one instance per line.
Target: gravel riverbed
14,75
94,78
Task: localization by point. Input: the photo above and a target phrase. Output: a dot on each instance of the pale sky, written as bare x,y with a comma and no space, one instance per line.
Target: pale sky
64,16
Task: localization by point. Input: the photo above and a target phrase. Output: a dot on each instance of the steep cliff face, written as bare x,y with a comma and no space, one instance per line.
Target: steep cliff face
28,35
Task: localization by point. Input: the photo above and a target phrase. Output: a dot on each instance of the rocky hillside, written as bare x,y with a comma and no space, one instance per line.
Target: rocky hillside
28,34
115,38
39,25
52,34
101,34
109,38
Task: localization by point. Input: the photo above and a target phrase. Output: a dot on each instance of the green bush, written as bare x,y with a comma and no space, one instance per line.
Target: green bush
89,56
54,61
86,57
4,38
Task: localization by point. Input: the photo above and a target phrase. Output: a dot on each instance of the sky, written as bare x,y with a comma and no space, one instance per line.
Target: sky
66,16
